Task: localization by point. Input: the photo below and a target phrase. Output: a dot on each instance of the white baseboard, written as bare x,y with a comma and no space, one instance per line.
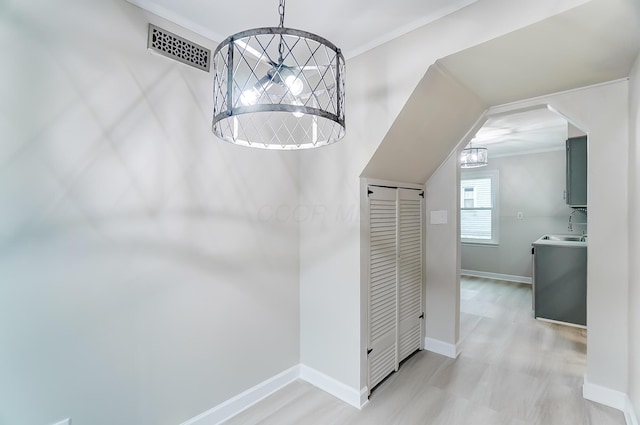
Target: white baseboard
612,398
248,398
364,397
242,401
497,276
604,395
630,414
443,348
336,388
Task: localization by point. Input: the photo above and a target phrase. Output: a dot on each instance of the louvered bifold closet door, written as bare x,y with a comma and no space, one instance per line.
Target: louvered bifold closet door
409,272
382,288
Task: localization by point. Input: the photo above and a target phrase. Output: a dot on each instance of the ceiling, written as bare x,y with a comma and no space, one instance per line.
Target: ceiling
355,26
534,131
592,43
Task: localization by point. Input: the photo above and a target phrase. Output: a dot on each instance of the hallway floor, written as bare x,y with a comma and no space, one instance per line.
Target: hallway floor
513,370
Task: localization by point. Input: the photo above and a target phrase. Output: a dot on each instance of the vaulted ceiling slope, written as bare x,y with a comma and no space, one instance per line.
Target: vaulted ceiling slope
590,44
438,112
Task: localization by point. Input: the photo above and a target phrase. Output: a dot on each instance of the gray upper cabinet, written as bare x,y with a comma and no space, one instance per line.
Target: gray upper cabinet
577,171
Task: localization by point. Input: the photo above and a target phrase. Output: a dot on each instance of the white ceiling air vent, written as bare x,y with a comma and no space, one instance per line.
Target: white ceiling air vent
175,47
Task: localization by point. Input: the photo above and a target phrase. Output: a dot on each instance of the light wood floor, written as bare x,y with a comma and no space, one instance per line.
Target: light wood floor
513,370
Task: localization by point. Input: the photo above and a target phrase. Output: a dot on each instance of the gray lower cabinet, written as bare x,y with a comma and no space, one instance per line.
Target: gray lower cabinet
560,283
576,189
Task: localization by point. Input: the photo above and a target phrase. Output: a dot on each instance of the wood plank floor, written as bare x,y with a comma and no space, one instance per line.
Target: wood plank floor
513,370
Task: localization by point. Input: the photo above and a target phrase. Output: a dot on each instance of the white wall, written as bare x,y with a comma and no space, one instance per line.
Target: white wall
603,111
532,184
442,256
379,83
144,274
634,237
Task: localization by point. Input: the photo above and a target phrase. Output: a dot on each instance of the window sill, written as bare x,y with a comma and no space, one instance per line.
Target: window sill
488,244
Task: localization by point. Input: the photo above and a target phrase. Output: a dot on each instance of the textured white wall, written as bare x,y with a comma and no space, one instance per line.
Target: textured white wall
634,237
603,111
145,275
532,184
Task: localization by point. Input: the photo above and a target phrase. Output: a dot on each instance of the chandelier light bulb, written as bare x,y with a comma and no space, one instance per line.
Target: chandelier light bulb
294,84
249,97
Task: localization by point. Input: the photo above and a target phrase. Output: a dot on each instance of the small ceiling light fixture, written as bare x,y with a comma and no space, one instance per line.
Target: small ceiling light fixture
474,157
278,88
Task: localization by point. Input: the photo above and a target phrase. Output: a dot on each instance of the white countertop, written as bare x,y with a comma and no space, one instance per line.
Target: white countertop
556,240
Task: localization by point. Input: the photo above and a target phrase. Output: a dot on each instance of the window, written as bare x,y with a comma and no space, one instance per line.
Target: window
479,207
469,198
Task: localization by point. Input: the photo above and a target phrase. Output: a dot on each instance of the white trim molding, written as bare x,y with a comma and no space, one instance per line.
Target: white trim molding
612,398
364,397
336,388
497,276
630,414
603,395
246,399
441,347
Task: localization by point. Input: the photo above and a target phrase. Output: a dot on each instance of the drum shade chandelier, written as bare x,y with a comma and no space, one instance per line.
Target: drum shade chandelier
474,157
278,88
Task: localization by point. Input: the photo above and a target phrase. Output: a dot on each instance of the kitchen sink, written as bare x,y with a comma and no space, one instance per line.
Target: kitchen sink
564,238
575,241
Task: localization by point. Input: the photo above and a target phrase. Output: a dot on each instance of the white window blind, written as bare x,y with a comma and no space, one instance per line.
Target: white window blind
478,212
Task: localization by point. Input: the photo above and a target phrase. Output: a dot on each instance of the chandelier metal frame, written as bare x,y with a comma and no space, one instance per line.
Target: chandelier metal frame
278,88
474,157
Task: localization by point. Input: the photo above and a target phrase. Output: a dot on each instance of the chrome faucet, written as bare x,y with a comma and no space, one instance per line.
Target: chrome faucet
570,226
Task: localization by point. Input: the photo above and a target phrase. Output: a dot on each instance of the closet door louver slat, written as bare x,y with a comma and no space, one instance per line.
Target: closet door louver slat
382,292
410,272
